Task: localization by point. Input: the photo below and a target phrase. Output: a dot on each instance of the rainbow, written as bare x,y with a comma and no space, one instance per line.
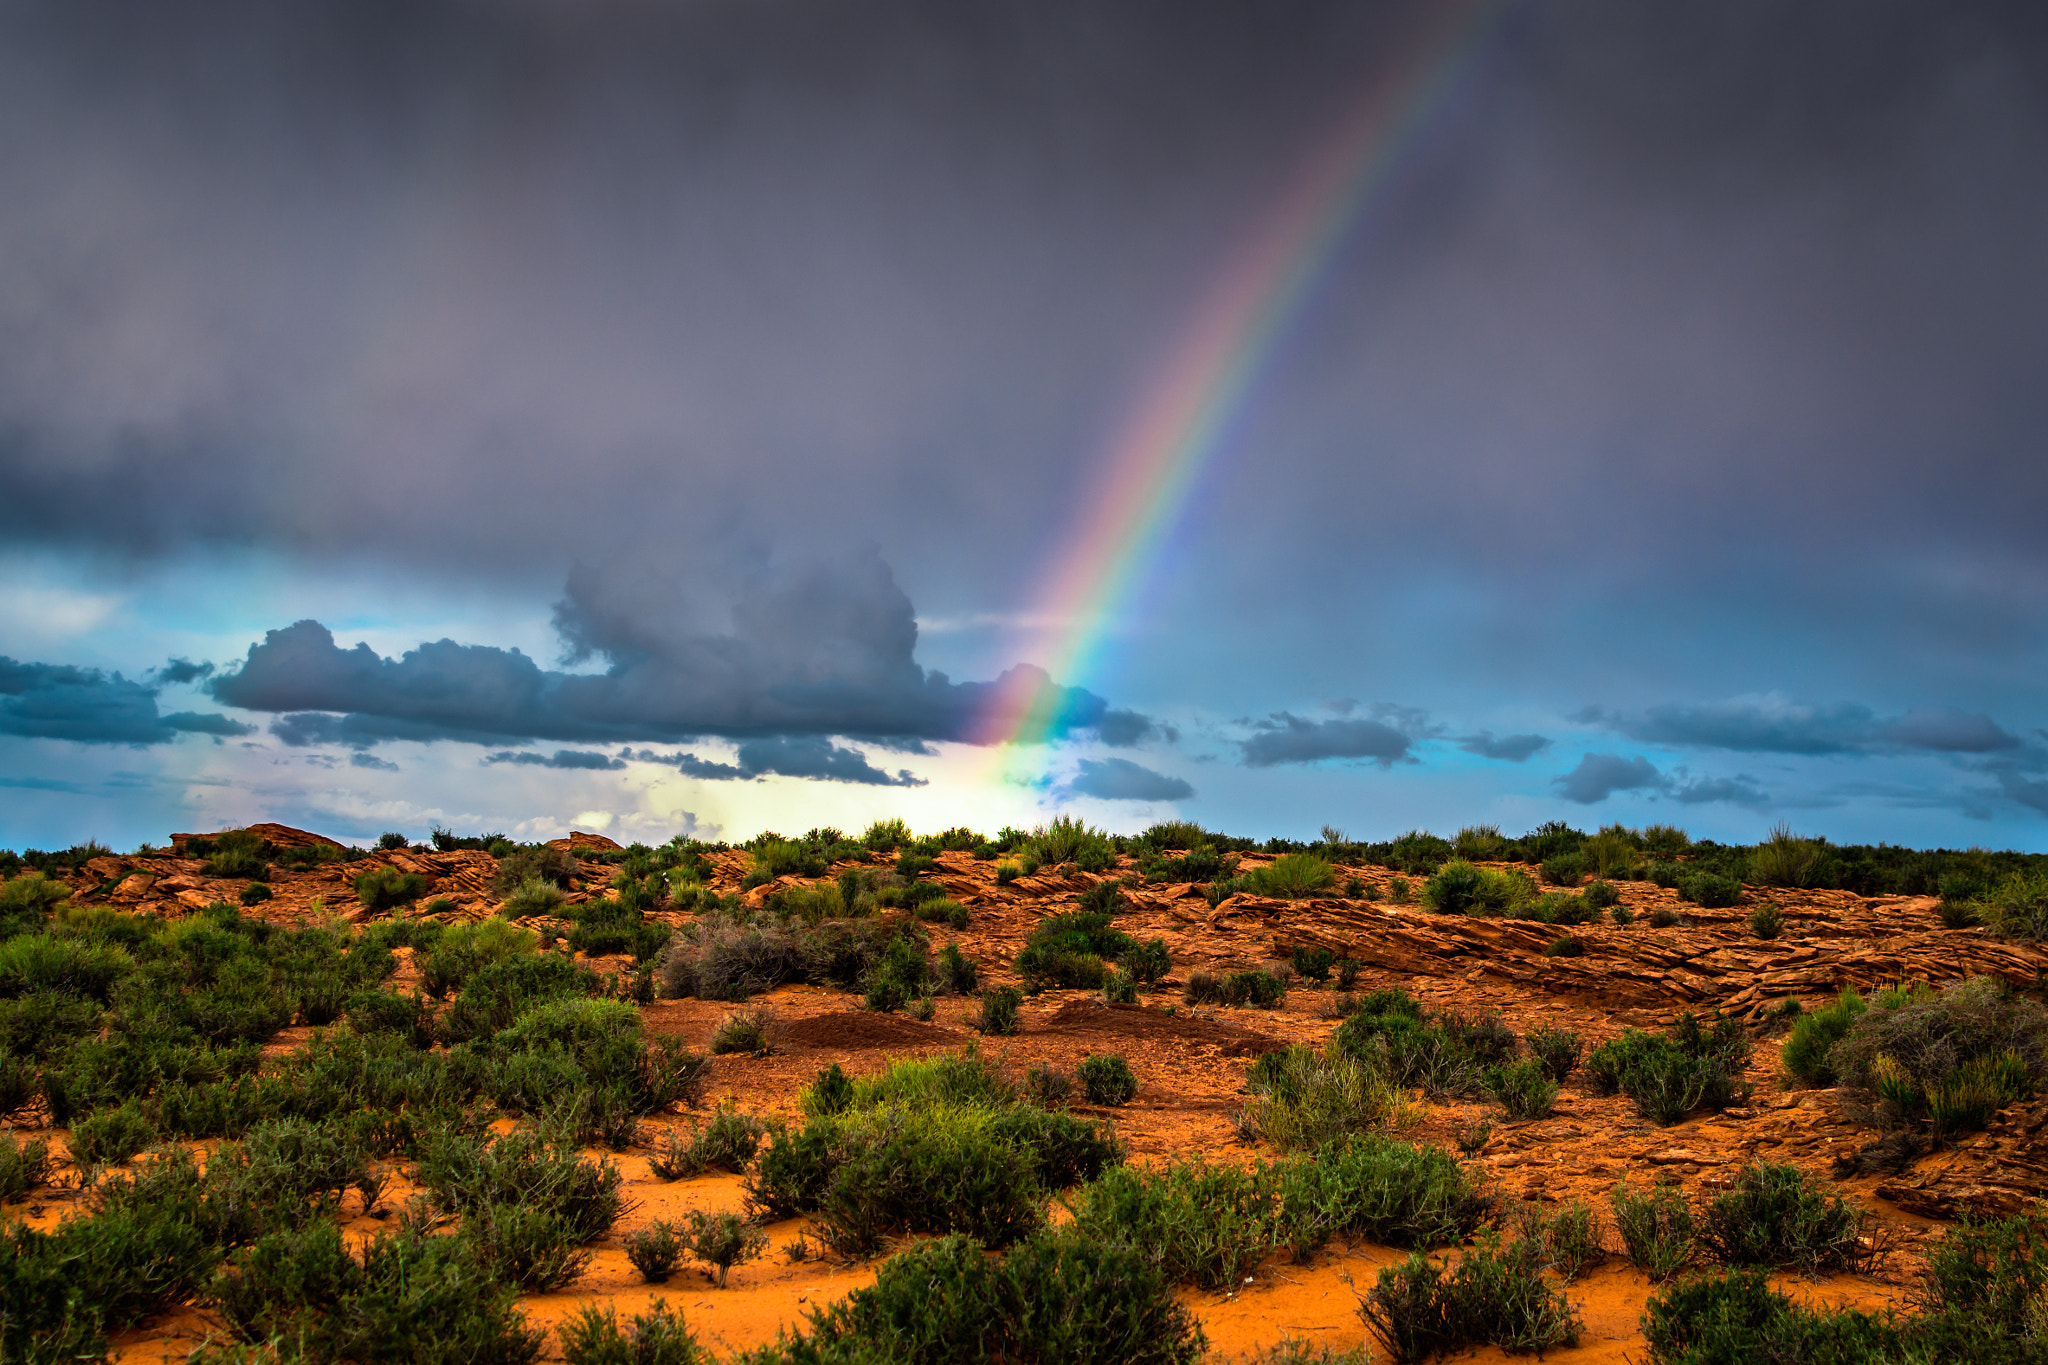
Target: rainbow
1152,467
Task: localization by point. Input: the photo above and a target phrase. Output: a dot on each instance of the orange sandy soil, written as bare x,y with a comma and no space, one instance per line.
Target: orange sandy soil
1191,1066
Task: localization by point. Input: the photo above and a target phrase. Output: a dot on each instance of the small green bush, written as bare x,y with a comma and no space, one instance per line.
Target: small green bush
1147,962
1256,988
1656,1229
1007,873
1767,921
1565,945
1557,1050
1776,1215
748,1031
381,888
1523,1090
23,1166
1809,1053
110,1136
236,853
255,893
1107,1079
1712,891
535,898
1119,988
1495,1295
723,1240
655,1251
998,1014
1565,869
1601,895
953,971
727,1141
1303,1100
1672,1074
1292,876
1950,1058
1454,890
656,1337
1785,859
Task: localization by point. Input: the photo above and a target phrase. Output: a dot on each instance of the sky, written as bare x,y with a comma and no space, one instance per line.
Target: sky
662,418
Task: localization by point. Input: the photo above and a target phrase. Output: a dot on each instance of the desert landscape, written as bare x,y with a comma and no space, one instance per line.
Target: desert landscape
1047,1095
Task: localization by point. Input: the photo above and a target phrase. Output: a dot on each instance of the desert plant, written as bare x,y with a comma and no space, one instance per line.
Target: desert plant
236,853
1119,988
1785,859
1952,1057
1047,1086
534,898
1147,962
953,971
1303,1100
1313,963
1656,1229
1398,890
1565,945
1621,914
1292,876
1664,917
1495,1295
1557,1050
23,1166
1767,921
998,1014
723,1240
1601,895
1569,1236
1107,1079
1711,891
1454,890
1565,869
727,1141
383,887
749,1031
1670,1075
1777,1215
111,1135
1523,1090
657,1337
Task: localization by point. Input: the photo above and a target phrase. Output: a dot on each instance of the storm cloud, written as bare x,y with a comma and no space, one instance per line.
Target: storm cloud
88,706
1599,776
1777,725
1288,738
1119,779
826,649
1508,748
805,756
561,758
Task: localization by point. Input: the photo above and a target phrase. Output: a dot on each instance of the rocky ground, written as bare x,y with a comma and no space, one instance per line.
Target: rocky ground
1191,1064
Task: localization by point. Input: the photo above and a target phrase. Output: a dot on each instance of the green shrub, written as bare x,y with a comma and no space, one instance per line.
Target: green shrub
1147,962
1313,963
1601,895
998,1014
1398,890
830,1093
409,1298
1656,1229
1303,1100
1570,1237
1054,1298
1256,988
1557,1050
1523,1090
383,887
255,893
723,1240
1119,988
951,1078
534,898
1565,869
727,1141
885,836
110,1136
236,853
1951,1057
1767,921
1565,945
656,1337
1621,914
1670,1075
31,896
1292,876
954,971
1204,1225
1775,1215
1107,1079
1007,873
1454,890
23,1166
748,1031
1711,891
536,1249
1068,949
1070,840
468,1175
1495,1295
34,963
1808,1053
1785,859
1047,1086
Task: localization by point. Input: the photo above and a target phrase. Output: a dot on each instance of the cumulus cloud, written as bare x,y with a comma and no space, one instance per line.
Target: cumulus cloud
819,649
1773,723
184,671
85,705
807,756
1734,791
1510,748
359,759
1385,739
560,758
1119,779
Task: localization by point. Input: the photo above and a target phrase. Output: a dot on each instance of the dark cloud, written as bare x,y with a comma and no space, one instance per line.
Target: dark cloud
88,706
1287,738
1599,776
1119,779
1511,748
807,756
560,758
184,671
40,784
822,649
359,759
1774,724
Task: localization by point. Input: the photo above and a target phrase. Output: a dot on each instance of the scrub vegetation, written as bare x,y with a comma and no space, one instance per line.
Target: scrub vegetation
207,1092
